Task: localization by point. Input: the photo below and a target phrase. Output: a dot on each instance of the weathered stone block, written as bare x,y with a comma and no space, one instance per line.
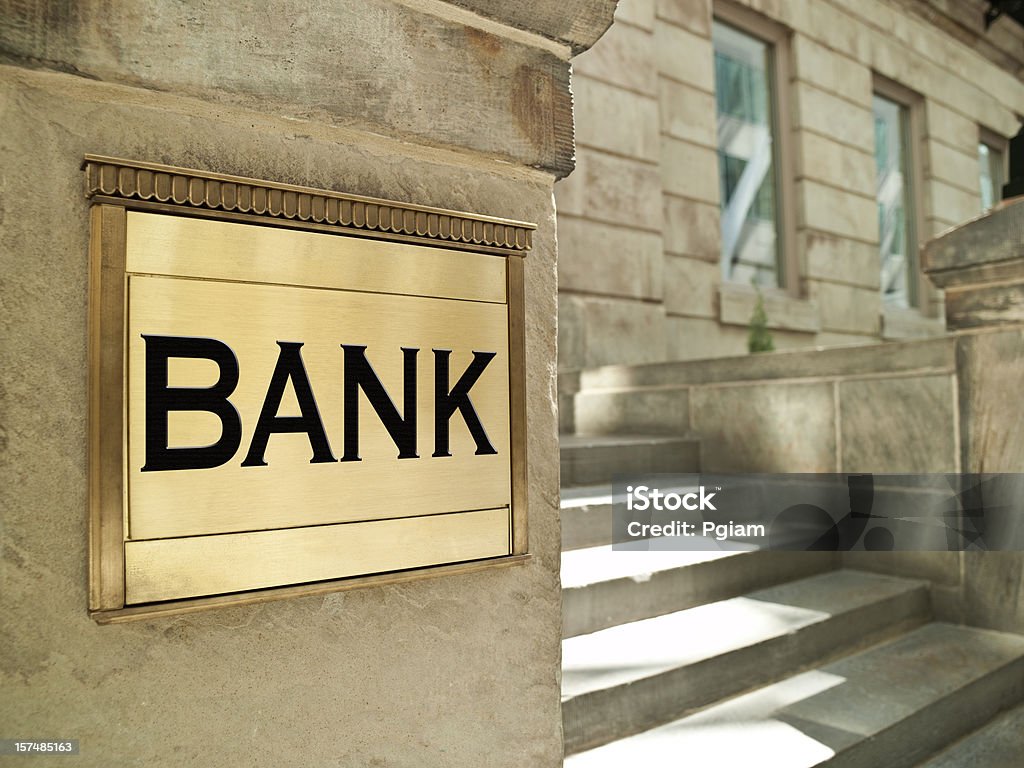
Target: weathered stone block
331,62
684,56
899,424
991,369
694,286
736,304
970,254
572,333
822,159
696,338
952,203
765,428
951,165
620,331
623,57
615,189
831,71
840,259
689,170
639,13
633,412
597,258
846,308
900,323
632,132
687,113
951,127
834,210
694,15
692,228
829,115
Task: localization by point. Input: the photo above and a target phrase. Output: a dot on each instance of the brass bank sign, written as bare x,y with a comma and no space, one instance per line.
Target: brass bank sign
281,409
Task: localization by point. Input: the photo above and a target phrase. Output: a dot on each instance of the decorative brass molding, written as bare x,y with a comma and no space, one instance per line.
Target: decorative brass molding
129,180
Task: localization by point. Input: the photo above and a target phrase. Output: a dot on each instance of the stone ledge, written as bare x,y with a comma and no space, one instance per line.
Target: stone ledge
787,313
909,324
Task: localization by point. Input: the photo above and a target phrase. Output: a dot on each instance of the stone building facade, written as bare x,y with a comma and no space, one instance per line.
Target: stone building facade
847,87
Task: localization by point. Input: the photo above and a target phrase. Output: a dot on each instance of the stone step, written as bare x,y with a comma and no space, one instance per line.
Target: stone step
603,588
999,744
589,460
889,706
586,513
629,678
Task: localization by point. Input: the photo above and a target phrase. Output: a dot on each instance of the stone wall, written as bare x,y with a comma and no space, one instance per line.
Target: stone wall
948,404
417,101
639,273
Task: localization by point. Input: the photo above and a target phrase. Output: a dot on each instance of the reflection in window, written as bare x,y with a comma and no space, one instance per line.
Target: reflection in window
892,190
746,162
990,175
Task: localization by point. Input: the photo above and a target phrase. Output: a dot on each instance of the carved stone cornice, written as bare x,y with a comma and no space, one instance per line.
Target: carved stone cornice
130,180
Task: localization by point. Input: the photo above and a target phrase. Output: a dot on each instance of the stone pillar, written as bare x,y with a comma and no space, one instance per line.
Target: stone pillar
981,267
463,106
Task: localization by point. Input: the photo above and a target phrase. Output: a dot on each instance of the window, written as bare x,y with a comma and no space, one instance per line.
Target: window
991,176
894,192
748,157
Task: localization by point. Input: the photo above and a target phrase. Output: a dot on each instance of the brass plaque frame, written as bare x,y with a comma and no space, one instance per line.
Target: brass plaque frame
116,188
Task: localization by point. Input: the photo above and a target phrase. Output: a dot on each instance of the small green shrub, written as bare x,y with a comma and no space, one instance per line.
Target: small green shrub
760,338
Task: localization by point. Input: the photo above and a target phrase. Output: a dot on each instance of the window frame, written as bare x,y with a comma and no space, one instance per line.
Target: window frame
778,38
1000,144
921,299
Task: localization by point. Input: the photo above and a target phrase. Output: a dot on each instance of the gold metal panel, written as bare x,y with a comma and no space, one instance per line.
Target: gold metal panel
254,267
188,247
290,491
106,408
207,565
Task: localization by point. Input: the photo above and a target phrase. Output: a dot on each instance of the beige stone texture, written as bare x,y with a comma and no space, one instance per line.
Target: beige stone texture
839,119
623,57
952,202
614,189
616,120
331,63
692,229
765,428
900,323
952,128
572,329
623,331
821,66
993,423
694,15
835,210
695,338
839,259
684,56
821,159
639,13
462,670
689,171
687,113
691,286
644,412
602,259
845,308
736,305
899,425
954,166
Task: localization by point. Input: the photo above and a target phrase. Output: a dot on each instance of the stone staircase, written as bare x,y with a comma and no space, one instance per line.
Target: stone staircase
751,658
